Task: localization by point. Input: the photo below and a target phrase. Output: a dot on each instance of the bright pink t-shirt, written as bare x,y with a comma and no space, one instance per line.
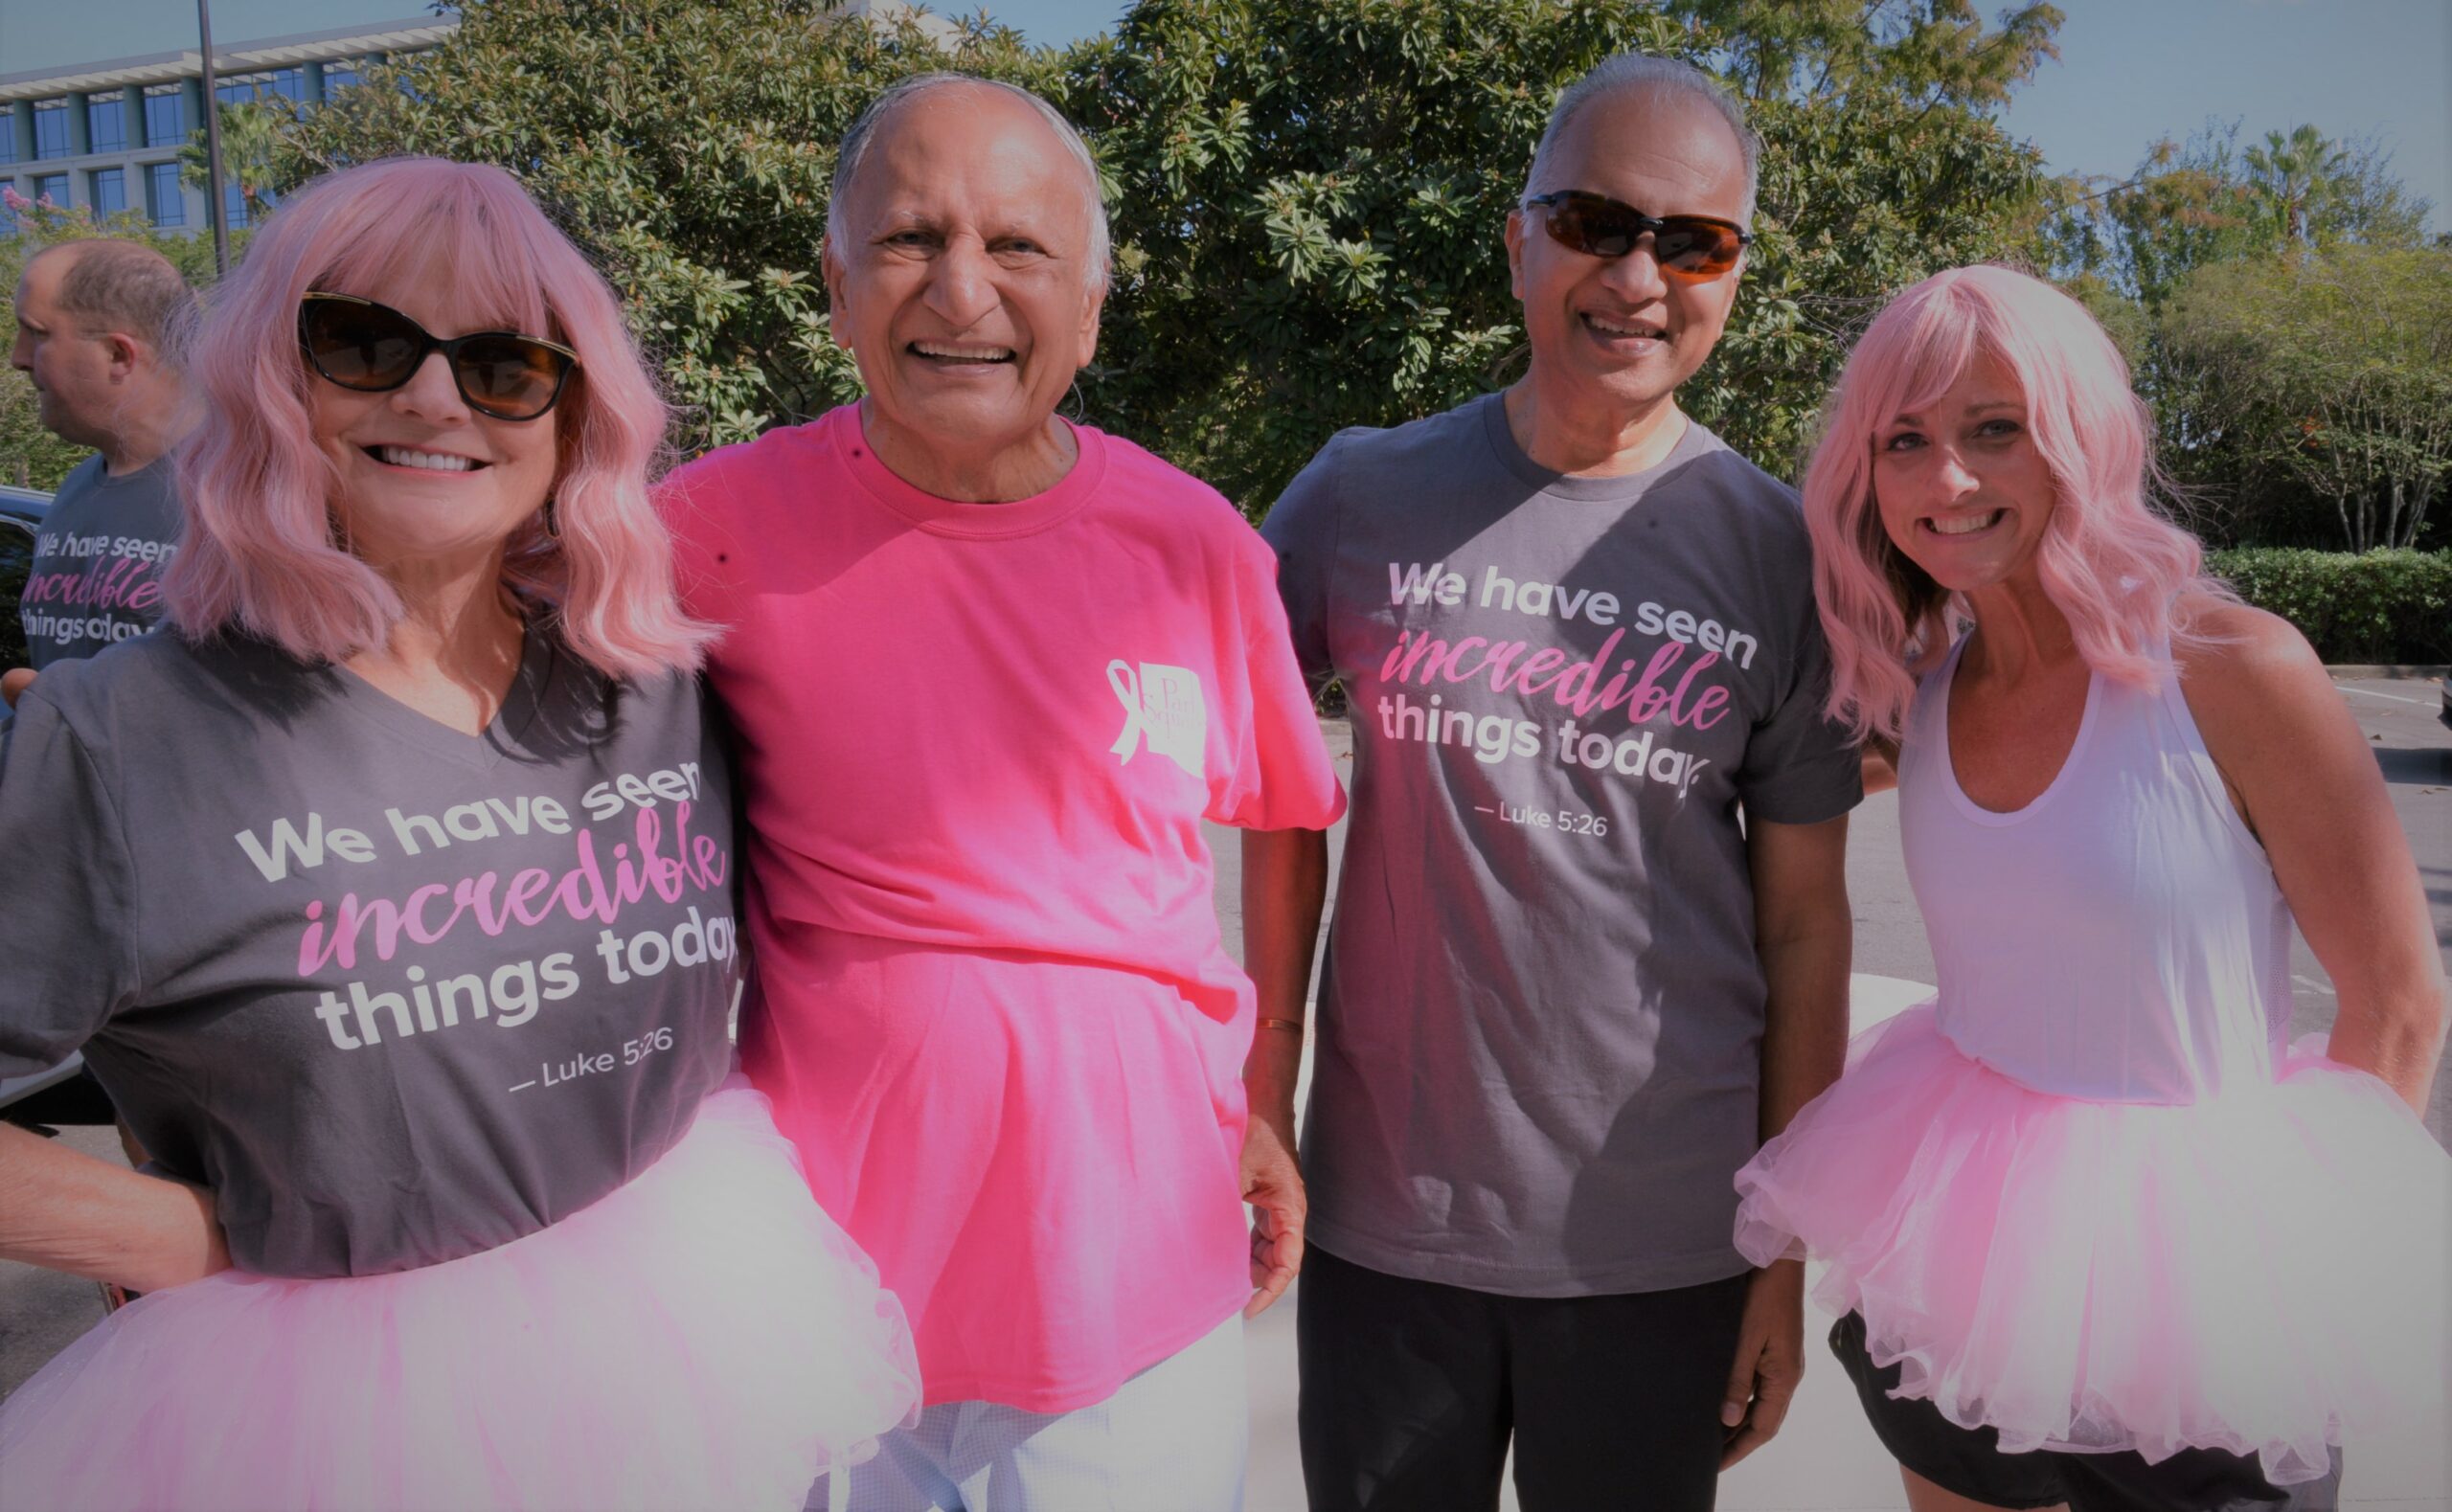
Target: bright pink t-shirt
987,993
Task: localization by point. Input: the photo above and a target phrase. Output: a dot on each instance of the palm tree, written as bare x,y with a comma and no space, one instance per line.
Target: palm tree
251,133
2291,173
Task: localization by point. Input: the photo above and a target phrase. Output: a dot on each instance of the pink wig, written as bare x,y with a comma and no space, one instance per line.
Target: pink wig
262,551
2107,560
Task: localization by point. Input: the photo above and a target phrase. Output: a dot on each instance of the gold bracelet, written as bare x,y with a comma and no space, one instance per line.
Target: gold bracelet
1290,1025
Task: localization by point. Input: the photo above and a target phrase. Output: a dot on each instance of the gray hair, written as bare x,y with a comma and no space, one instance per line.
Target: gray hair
1634,71
855,148
127,288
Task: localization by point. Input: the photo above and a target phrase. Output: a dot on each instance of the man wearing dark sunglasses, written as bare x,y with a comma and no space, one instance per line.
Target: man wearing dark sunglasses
1591,941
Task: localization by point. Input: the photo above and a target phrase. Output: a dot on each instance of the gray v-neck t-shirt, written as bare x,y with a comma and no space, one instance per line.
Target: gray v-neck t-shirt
1541,1019
395,993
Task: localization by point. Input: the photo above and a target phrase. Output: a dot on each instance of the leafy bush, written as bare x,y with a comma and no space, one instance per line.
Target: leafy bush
2393,606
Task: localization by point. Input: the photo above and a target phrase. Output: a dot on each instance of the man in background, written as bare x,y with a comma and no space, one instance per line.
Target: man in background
92,317
92,320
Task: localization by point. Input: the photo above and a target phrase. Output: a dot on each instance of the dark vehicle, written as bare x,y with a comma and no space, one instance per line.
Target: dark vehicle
21,512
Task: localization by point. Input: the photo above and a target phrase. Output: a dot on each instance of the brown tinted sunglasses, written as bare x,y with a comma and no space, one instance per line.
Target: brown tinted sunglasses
374,349
1690,249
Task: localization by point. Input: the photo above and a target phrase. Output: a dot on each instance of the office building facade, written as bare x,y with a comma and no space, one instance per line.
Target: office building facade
106,135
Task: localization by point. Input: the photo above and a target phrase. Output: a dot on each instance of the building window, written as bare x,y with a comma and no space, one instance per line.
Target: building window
7,133
53,186
105,123
108,188
236,89
285,83
162,185
166,112
51,128
339,74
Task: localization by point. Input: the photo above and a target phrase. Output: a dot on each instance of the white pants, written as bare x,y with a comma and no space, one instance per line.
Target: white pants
1172,1439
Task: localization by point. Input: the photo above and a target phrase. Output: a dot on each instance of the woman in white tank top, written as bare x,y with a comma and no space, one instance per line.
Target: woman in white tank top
2100,1234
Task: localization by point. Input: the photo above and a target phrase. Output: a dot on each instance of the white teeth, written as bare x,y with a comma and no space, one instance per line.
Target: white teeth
1608,329
940,348
1967,525
440,461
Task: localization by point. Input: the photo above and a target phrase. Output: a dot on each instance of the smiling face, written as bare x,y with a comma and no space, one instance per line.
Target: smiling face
1962,489
422,478
1610,335
961,283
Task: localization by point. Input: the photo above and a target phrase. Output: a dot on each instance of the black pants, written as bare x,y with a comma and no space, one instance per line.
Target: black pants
1412,1390
1969,1461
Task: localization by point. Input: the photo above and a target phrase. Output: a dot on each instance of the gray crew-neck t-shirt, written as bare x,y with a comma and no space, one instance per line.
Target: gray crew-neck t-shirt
397,994
1541,1019
98,556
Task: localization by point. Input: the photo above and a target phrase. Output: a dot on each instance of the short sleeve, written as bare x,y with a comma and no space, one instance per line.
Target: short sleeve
1302,529
1800,768
1283,778
694,502
67,890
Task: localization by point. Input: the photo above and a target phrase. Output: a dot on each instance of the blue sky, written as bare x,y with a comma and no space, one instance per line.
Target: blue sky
2130,71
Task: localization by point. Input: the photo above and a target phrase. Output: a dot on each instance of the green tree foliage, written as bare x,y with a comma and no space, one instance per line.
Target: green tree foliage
2333,368
1310,203
2211,200
252,132
689,144
2133,250
1314,192
30,456
1308,194
1914,52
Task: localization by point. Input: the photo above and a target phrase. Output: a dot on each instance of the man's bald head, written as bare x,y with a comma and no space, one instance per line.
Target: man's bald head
108,285
97,323
1641,73
878,118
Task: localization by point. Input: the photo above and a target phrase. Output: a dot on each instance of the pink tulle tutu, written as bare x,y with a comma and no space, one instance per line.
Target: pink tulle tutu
704,1337
2248,1274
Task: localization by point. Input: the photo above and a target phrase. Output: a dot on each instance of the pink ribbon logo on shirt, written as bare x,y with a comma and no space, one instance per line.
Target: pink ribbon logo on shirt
1163,705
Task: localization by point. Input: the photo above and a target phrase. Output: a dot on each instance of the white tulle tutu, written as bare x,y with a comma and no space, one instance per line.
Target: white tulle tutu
703,1338
2252,1273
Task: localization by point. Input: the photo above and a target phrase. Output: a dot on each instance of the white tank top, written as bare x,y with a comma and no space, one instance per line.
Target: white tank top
2122,936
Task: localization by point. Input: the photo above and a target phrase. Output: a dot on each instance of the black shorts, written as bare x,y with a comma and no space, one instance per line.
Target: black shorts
1412,1391
1970,1461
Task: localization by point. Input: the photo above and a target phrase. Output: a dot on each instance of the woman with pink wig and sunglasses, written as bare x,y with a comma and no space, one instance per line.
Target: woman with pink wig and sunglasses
2099,1233
392,897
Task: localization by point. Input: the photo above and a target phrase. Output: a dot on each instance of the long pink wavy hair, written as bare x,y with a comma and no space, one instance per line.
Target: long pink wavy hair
262,552
2109,563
